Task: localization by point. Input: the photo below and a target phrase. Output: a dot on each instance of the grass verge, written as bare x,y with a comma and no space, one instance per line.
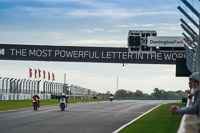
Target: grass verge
17,104
157,121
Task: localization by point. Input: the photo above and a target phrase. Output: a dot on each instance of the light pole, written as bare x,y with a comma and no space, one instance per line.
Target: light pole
65,78
62,85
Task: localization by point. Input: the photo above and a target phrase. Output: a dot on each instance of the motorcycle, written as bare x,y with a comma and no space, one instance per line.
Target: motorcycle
62,104
35,103
111,98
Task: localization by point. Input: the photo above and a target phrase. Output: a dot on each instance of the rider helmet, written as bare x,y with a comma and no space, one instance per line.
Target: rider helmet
63,94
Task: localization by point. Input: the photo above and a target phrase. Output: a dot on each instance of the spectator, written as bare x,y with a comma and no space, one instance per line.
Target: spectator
191,92
194,109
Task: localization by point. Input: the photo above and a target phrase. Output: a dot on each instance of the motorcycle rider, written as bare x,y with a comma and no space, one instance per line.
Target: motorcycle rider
63,96
38,97
111,97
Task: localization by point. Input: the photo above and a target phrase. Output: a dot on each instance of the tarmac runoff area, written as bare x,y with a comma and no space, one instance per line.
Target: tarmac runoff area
90,117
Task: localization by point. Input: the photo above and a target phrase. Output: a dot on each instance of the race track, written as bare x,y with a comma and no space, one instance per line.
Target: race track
91,117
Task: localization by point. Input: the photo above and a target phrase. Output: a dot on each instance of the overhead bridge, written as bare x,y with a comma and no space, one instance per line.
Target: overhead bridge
86,54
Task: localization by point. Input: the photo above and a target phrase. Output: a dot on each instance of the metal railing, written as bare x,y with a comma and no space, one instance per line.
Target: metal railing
192,40
11,85
27,86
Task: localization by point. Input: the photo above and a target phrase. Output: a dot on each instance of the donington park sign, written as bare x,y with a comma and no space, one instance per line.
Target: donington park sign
84,54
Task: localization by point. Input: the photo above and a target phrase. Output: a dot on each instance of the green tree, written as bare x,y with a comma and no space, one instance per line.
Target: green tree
159,94
139,93
121,93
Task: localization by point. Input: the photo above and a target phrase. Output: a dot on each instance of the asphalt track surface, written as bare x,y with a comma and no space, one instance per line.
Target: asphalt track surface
91,117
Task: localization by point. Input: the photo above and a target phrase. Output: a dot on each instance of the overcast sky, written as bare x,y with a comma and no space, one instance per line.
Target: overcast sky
101,23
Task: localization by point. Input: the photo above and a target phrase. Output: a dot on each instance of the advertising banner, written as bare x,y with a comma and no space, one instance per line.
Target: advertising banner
84,54
163,41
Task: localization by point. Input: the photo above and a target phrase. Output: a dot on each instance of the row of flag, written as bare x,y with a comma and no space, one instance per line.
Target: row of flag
37,73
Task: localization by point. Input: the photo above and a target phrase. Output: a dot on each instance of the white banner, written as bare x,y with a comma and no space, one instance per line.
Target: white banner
165,41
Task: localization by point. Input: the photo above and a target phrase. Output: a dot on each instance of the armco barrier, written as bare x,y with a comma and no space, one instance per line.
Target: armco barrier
21,96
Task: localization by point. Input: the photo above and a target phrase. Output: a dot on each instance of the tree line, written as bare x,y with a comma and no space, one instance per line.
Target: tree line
158,94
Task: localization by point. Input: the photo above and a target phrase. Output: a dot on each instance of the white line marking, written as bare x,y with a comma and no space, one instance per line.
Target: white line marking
122,127
24,108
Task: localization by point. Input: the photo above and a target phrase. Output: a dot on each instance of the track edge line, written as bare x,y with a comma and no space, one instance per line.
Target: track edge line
122,127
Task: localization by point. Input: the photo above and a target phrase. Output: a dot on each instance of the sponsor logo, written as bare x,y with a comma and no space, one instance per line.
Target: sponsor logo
166,42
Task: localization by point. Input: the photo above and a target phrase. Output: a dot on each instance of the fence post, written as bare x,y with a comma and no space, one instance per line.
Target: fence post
3,84
13,85
9,85
33,87
44,87
17,85
30,86
24,85
38,86
27,86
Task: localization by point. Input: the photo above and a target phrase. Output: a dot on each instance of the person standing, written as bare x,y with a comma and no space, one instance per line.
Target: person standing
194,108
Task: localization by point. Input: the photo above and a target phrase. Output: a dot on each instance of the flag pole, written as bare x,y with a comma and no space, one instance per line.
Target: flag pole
44,74
43,80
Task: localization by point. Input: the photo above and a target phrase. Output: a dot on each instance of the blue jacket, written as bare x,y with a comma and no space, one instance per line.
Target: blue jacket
193,109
